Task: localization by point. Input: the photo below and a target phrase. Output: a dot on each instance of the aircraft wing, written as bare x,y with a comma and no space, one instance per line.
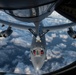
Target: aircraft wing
57,27
21,26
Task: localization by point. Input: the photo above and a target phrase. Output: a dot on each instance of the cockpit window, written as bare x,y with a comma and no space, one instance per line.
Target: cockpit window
38,52
42,52
34,52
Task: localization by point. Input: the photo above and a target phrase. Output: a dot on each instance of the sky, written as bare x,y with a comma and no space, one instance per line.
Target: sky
15,49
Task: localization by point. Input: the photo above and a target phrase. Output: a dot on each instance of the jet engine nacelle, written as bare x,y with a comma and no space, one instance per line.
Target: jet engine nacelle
72,33
6,33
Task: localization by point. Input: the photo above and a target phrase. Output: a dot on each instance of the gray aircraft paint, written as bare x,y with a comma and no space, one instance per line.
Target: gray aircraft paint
38,61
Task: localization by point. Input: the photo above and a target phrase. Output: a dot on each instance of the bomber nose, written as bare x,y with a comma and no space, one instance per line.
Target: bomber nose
37,68
38,63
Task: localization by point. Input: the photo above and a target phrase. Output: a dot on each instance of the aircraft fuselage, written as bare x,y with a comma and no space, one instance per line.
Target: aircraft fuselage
38,50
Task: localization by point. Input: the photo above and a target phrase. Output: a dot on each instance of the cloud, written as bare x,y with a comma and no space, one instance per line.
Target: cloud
3,41
3,57
15,34
49,38
62,45
53,35
20,42
22,68
27,70
54,53
19,68
63,36
74,44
